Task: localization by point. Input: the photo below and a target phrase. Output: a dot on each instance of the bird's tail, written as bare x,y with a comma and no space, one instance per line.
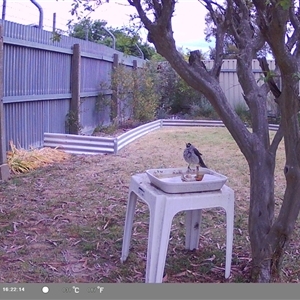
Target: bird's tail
201,163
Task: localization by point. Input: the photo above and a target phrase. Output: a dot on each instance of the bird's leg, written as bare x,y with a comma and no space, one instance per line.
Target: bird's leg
189,168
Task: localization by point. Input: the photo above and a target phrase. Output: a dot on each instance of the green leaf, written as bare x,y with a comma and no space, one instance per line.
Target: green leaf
285,4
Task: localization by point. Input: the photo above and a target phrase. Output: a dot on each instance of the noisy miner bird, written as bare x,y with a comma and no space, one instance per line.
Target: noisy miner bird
192,156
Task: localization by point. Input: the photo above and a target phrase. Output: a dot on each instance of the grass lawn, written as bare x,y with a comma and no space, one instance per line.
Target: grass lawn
64,222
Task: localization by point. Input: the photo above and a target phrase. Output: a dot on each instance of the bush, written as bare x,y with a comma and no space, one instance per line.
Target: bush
154,91
135,92
243,112
176,97
145,95
203,109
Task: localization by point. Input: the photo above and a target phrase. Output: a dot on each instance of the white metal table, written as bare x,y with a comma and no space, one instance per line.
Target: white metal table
163,207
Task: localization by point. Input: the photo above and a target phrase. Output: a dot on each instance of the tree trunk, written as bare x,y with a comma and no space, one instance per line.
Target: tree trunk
268,255
268,238
283,227
261,212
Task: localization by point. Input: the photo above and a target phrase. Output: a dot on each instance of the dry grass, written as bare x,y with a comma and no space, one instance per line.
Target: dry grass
64,222
22,161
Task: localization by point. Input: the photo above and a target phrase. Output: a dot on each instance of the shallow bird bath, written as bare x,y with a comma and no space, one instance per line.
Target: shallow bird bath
178,180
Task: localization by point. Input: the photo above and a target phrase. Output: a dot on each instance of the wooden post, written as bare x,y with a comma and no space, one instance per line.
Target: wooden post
54,23
3,9
4,169
134,64
74,117
134,101
114,97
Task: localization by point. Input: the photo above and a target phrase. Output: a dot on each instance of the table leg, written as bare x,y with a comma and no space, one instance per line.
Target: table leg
192,228
164,243
132,199
229,235
158,240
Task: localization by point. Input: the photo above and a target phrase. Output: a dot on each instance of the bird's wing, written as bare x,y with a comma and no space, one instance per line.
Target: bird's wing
196,151
201,162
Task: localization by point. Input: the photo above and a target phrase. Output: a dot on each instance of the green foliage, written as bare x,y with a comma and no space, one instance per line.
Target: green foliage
285,4
157,57
134,93
270,74
80,7
122,85
203,108
154,91
176,97
72,122
86,29
126,40
243,112
105,129
145,95
56,35
102,100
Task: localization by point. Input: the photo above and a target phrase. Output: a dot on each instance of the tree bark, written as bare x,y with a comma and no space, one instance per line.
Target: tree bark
261,213
269,238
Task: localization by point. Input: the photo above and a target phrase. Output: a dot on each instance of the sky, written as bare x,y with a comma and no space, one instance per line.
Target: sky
188,21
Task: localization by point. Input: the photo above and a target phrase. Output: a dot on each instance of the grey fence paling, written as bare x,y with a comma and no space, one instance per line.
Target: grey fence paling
77,144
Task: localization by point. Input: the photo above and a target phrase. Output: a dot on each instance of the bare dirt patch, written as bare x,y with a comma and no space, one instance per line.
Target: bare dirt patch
64,222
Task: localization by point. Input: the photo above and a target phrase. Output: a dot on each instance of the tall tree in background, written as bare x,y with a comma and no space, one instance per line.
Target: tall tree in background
87,29
250,25
127,41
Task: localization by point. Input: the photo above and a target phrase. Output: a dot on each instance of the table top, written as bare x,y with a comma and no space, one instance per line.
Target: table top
142,180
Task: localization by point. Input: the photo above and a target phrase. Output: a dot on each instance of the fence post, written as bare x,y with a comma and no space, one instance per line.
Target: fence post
114,97
134,64
134,103
4,170
74,116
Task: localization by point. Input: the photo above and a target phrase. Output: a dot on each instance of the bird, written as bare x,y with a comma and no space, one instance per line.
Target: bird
192,156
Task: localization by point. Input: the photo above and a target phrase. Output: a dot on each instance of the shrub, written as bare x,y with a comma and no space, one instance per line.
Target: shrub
177,97
145,96
243,112
134,94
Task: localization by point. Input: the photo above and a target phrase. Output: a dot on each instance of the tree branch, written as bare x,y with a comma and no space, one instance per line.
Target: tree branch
276,140
195,60
167,12
143,16
219,19
239,19
296,24
269,79
157,7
